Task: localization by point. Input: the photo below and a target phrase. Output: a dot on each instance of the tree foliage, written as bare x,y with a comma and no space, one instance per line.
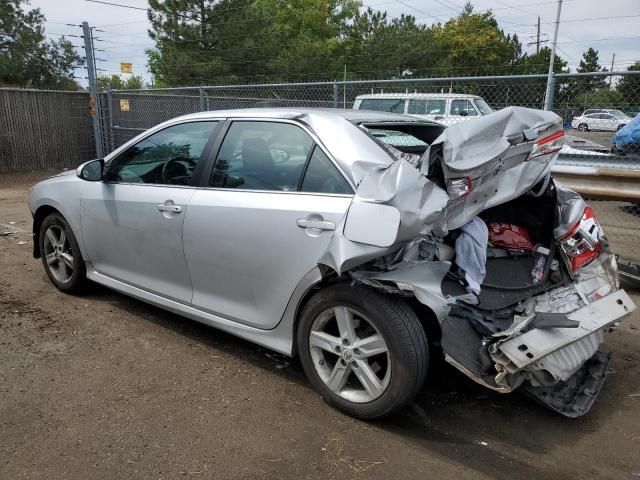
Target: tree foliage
118,82
201,42
26,58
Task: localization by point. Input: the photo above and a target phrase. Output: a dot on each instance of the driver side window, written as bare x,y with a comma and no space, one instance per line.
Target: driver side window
261,156
168,157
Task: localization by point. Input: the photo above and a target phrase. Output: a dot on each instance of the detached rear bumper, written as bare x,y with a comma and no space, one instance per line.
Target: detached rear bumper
557,362
540,348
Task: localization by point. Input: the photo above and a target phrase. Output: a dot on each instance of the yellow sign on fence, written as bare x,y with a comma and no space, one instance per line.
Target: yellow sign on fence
126,67
124,105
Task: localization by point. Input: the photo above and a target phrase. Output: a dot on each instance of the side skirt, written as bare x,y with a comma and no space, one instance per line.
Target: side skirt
279,338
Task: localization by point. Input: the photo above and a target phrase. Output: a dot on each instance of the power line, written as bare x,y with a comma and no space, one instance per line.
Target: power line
116,4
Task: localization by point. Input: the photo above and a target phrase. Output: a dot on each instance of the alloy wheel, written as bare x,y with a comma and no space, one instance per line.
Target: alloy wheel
349,354
58,253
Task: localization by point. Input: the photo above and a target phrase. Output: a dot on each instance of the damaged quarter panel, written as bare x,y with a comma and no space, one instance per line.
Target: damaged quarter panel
491,155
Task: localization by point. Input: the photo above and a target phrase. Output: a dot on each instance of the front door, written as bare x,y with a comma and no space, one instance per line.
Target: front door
132,222
262,222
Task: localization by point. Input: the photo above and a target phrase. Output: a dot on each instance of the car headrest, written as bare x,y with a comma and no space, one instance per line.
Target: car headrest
256,155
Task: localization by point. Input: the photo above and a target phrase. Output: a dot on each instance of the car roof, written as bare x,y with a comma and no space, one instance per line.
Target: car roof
286,113
337,130
415,95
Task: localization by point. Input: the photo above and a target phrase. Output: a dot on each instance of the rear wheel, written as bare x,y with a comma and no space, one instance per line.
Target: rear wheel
61,255
583,127
365,353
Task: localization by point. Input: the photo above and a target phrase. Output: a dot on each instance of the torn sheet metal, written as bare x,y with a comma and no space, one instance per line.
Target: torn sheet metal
493,153
423,279
489,150
418,201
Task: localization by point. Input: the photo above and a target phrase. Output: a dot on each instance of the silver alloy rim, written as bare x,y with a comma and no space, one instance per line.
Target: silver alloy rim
349,354
58,254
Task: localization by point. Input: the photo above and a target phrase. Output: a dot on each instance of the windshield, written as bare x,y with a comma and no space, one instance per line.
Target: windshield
483,107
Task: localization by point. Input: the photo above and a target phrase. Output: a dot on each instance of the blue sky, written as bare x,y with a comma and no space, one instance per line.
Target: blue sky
611,26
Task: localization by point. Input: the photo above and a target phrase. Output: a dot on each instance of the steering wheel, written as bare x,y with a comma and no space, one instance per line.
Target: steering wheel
168,177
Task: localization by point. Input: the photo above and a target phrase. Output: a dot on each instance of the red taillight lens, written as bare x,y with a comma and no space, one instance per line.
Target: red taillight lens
459,187
582,244
547,145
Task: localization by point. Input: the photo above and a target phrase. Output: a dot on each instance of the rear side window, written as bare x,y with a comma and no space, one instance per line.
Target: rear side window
262,156
322,176
463,107
394,105
417,107
436,107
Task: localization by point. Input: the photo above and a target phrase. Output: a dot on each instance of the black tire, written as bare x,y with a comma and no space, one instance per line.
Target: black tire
402,332
583,127
77,280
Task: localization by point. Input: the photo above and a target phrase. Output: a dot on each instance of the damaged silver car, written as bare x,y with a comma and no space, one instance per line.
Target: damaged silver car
364,243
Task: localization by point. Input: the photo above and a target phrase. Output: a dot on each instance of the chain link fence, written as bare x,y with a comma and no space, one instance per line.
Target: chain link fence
44,129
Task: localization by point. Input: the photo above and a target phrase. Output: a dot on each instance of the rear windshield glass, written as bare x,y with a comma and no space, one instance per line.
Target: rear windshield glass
406,141
394,105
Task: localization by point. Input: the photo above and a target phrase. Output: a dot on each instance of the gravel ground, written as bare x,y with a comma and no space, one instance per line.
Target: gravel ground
103,386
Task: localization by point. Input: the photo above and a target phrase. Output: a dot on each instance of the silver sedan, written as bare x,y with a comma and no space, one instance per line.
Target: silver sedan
339,237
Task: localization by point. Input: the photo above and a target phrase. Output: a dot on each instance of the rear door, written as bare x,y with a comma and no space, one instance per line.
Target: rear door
262,220
132,222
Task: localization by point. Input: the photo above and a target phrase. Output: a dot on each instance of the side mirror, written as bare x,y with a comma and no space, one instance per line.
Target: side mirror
91,171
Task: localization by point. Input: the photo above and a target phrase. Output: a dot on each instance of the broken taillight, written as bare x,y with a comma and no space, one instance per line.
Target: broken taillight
459,187
547,145
582,244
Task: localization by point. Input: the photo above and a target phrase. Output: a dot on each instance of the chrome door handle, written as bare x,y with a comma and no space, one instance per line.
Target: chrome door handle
169,208
318,224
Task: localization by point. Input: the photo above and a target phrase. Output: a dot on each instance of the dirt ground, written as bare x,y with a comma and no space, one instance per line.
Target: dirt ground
103,386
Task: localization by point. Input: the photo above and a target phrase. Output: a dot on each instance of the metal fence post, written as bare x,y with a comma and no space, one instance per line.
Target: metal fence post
202,102
336,94
112,143
93,89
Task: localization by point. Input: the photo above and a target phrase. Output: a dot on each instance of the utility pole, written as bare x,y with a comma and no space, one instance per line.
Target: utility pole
548,98
613,59
93,87
538,41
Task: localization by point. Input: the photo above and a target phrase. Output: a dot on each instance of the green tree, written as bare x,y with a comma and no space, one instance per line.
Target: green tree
117,82
26,58
629,88
590,63
375,46
474,44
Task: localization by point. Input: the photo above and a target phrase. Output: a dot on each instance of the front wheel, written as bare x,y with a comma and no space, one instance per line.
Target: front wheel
366,353
583,127
61,255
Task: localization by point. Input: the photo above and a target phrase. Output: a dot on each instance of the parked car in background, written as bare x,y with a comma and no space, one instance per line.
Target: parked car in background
327,235
610,120
627,140
612,111
446,108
